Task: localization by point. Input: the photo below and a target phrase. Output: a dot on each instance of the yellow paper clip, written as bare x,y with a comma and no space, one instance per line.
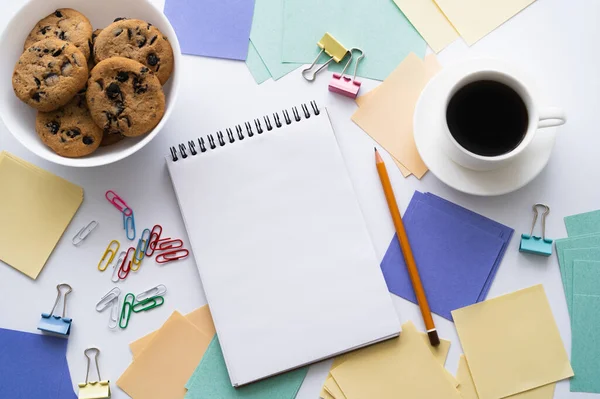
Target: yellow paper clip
332,48
96,389
110,253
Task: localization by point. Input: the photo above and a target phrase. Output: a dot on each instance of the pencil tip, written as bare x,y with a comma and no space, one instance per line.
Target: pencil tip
375,148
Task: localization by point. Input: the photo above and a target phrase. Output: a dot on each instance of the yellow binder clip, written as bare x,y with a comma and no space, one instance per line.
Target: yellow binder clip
332,48
97,389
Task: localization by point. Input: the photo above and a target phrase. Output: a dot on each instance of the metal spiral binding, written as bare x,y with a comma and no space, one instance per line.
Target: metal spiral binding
204,144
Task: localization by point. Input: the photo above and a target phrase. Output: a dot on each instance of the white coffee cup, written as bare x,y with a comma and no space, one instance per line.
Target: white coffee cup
538,118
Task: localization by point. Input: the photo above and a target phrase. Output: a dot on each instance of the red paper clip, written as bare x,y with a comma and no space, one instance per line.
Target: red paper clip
154,238
118,202
125,267
166,257
168,243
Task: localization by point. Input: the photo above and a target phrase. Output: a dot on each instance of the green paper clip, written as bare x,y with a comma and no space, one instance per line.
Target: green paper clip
534,244
148,304
126,310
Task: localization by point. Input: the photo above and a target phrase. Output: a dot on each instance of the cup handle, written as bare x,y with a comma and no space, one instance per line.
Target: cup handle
552,116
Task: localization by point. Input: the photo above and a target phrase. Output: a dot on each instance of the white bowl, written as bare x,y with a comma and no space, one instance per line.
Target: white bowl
20,118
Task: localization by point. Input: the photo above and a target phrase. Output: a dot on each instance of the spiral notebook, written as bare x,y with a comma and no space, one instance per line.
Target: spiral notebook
284,255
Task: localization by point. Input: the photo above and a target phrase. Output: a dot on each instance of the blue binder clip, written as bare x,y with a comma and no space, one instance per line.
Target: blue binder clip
534,244
57,325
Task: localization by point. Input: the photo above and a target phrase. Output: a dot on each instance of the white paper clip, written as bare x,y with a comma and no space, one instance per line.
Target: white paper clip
84,232
156,291
115,276
111,298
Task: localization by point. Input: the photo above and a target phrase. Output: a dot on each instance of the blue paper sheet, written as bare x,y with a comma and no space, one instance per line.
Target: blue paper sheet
211,380
33,366
212,28
455,258
477,220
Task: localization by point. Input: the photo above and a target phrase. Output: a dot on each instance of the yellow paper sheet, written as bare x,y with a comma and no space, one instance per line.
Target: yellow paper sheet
362,100
430,21
467,387
474,19
512,343
200,318
164,367
387,115
403,367
36,207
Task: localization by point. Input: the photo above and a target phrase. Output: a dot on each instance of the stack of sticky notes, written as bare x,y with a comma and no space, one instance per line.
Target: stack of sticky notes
458,253
403,367
386,113
183,359
35,207
440,22
34,366
579,261
512,347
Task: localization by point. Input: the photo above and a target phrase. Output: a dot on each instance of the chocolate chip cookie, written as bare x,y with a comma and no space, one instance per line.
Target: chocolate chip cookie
110,139
125,97
49,74
91,61
64,24
70,130
138,40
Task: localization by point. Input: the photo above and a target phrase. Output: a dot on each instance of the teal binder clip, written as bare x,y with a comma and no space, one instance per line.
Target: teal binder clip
533,244
59,326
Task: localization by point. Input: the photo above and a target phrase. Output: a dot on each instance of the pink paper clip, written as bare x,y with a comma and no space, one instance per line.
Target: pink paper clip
125,267
344,85
118,202
166,257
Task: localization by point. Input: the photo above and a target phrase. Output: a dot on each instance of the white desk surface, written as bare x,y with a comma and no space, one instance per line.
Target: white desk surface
555,40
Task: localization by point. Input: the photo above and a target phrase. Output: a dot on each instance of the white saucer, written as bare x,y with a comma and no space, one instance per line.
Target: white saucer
429,124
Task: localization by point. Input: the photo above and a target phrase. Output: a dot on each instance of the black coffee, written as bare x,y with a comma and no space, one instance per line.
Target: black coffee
487,118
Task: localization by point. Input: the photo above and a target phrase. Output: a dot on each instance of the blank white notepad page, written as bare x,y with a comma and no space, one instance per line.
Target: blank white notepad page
282,248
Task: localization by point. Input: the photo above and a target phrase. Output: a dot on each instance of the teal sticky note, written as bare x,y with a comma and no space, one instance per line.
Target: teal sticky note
570,256
211,380
377,27
585,350
257,67
570,243
267,36
583,224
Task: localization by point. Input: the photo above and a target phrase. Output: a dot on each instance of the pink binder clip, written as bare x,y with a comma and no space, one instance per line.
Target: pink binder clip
344,85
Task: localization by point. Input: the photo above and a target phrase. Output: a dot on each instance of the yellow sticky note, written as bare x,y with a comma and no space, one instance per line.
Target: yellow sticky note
430,21
200,318
36,207
362,100
467,387
474,19
512,343
387,114
164,367
403,367
333,389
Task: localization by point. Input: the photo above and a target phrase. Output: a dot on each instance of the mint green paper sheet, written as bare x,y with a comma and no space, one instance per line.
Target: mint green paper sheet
267,36
257,67
585,346
211,380
377,27
589,241
572,255
583,224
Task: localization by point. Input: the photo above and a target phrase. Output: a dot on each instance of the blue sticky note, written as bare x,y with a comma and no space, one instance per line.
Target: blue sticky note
480,221
211,380
563,244
583,224
454,259
570,257
212,28
585,347
33,366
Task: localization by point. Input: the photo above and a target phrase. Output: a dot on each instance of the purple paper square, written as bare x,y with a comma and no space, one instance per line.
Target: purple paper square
454,259
212,28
